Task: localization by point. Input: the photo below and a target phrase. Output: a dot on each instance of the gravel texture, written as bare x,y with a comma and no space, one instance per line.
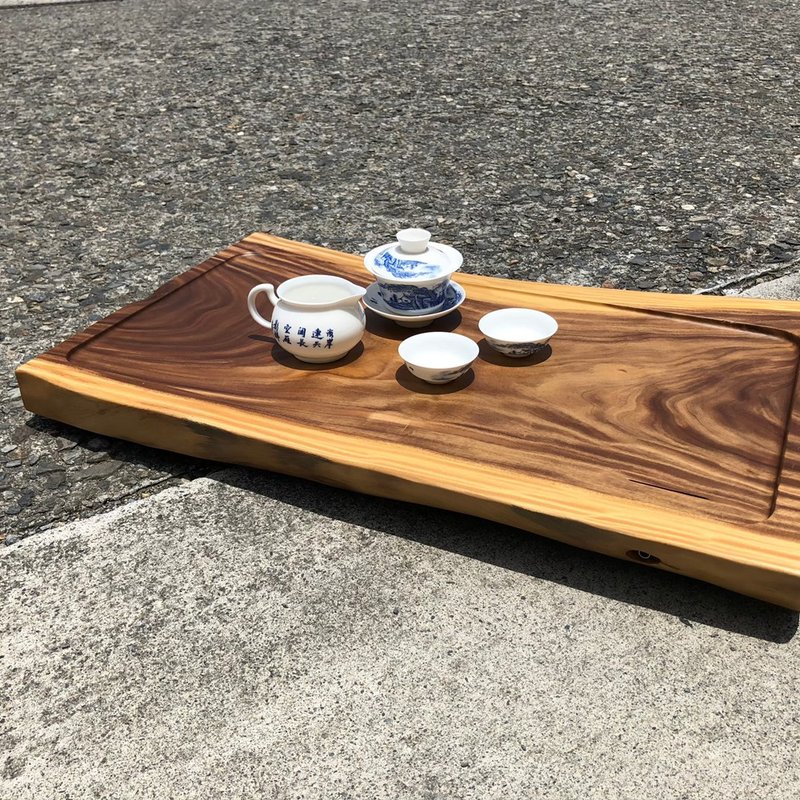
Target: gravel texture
636,145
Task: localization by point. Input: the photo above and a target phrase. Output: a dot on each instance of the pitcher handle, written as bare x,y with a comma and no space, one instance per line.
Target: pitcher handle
269,290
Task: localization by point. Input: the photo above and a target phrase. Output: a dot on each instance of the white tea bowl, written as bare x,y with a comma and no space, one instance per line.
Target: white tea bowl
437,356
517,332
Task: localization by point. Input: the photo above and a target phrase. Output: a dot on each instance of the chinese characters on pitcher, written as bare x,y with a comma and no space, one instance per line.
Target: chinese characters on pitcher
302,338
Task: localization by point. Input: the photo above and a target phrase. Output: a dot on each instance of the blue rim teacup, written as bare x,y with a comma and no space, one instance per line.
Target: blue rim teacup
517,332
413,273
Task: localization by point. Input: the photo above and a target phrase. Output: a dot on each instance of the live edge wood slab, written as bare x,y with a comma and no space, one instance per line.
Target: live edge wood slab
659,428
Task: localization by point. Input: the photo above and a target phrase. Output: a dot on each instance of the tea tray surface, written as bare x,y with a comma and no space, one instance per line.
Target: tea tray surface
661,428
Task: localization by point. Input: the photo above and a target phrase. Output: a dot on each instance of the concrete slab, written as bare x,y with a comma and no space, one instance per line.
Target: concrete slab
249,637
785,288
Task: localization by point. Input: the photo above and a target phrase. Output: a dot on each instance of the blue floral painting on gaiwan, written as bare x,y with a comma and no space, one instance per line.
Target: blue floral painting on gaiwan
406,268
401,297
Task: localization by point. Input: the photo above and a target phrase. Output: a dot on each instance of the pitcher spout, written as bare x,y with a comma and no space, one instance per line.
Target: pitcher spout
358,291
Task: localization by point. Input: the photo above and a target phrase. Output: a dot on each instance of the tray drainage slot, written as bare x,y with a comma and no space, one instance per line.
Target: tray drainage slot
643,557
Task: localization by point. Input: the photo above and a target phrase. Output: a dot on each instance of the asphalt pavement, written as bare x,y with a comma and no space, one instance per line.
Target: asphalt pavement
634,145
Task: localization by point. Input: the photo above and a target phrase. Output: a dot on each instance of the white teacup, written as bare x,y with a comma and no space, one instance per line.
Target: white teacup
438,356
517,332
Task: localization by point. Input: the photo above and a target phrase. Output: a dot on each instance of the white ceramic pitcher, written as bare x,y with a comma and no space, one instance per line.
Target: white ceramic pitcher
317,318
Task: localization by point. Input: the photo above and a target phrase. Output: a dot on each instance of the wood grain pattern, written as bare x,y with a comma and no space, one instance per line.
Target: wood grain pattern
660,423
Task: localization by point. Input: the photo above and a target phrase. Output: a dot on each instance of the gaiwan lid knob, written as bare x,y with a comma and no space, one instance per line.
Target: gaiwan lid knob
413,240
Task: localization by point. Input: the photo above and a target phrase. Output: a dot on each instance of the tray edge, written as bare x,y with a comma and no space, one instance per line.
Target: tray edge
717,552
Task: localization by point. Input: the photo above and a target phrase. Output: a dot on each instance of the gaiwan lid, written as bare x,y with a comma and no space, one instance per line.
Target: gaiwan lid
413,257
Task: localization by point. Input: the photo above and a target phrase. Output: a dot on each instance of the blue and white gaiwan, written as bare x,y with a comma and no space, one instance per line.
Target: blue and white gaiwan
413,273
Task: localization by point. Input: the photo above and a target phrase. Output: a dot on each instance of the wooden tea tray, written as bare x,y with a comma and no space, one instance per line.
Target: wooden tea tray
658,428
